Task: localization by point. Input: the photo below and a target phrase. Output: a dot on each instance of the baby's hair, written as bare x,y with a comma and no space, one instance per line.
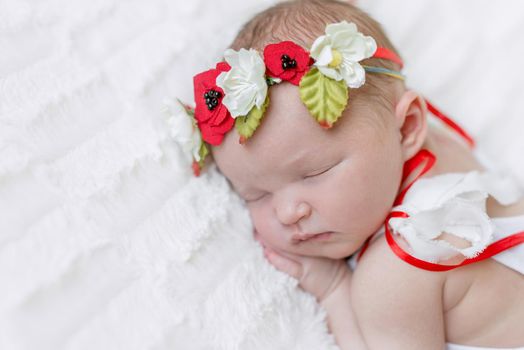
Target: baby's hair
302,21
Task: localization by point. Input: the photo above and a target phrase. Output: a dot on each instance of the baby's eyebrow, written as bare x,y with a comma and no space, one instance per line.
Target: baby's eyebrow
298,159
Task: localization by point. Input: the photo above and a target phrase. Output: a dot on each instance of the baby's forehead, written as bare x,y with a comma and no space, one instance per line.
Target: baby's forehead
275,156
283,152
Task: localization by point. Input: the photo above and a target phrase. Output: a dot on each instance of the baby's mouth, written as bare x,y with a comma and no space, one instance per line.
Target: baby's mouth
297,238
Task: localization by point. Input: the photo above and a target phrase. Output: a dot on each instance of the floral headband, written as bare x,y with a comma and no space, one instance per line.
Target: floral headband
235,91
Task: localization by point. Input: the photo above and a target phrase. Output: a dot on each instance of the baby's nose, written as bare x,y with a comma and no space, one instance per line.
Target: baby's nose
290,213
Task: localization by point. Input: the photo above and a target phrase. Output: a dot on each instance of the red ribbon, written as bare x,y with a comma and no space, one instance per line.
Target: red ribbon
409,167
386,54
492,249
450,123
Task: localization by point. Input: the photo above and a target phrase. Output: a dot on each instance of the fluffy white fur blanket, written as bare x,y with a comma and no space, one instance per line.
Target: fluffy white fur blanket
108,242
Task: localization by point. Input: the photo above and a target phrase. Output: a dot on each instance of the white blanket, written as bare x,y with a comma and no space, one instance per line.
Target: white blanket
106,239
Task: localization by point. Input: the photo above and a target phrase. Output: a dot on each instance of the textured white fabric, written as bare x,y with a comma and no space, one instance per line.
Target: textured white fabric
454,203
107,242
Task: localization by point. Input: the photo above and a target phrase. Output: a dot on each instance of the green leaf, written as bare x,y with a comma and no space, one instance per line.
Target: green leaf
247,125
325,98
272,81
203,152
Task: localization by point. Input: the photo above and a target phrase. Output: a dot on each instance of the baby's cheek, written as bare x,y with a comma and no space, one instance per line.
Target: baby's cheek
267,227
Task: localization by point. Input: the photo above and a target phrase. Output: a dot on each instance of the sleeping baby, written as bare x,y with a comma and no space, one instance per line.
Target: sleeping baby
360,188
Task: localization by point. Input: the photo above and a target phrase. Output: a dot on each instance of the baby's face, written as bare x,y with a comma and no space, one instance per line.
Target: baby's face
299,179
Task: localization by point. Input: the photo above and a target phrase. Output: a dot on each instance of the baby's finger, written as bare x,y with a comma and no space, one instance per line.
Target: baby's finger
283,264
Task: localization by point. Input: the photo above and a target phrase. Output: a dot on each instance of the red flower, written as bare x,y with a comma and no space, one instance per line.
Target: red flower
213,118
287,61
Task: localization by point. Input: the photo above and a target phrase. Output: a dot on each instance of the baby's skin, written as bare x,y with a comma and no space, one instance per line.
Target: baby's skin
316,195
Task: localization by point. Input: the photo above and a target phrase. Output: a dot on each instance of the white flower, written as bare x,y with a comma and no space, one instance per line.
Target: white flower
338,52
182,128
245,84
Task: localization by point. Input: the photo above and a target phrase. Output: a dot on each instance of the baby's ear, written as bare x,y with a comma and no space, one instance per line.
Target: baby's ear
410,114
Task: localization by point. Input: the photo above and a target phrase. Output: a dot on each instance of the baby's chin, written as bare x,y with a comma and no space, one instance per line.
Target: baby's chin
331,250
342,252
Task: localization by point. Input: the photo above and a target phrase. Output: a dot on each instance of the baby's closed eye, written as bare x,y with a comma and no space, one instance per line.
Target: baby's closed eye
321,172
250,199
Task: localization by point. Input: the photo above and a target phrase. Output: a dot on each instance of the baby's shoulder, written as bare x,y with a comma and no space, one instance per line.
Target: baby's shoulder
391,298
380,274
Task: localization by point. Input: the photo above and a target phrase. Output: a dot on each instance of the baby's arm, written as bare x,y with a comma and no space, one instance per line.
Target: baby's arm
341,317
384,304
396,305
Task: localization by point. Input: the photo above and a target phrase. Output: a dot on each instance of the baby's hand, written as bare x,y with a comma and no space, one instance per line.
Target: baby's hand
318,276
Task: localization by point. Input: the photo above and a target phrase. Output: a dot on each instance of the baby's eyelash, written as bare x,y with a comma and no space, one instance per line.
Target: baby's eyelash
325,171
